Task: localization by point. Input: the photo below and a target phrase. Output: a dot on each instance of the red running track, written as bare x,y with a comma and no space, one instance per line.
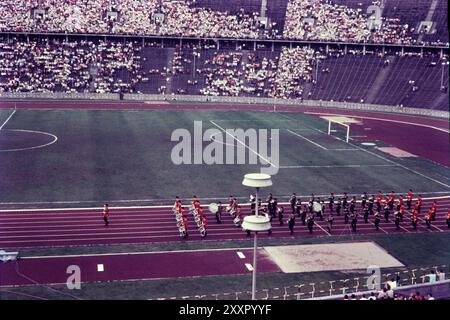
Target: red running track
133,266
51,228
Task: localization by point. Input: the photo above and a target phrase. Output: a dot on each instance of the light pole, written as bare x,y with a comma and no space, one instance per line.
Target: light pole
256,222
442,74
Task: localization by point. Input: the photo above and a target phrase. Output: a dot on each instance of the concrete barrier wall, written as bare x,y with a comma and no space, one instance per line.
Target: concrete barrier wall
223,99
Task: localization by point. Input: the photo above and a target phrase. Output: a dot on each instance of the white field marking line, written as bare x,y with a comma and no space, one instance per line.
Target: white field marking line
249,266
150,200
4,123
402,166
322,228
249,120
55,138
341,166
390,161
386,120
99,209
320,146
212,138
132,253
304,138
240,255
243,144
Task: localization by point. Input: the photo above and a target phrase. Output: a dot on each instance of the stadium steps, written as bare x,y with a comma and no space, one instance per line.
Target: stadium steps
380,79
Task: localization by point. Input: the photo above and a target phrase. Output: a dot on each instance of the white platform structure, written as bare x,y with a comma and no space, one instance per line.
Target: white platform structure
256,222
8,256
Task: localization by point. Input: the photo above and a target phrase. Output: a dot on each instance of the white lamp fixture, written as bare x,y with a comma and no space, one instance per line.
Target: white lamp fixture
256,222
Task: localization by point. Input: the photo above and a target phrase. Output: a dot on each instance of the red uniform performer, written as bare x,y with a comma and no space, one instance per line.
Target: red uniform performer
106,214
448,219
433,210
414,218
409,198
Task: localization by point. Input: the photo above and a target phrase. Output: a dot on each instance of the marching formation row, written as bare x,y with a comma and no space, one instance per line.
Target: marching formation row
315,208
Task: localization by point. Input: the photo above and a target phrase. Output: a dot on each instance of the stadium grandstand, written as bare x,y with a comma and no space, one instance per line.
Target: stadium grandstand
128,129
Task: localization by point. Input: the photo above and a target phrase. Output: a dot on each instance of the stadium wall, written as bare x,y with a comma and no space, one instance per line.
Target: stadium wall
224,99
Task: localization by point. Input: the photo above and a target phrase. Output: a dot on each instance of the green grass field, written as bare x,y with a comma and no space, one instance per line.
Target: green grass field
125,155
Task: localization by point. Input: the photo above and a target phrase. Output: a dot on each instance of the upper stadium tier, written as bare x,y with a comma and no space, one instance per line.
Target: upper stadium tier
390,76
412,22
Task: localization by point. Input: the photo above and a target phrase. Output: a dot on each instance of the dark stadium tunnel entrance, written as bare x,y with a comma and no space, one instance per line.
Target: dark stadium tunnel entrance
15,140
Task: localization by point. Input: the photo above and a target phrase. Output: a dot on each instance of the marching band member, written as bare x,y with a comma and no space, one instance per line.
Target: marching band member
363,200
219,212
409,198
402,212
344,200
433,210
338,207
331,201
397,219
310,222
106,214
354,217
379,199
419,203
330,222
428,218
400,202
280,215
377,220
448,219
366,214
371,203
293,201
414,218
391,200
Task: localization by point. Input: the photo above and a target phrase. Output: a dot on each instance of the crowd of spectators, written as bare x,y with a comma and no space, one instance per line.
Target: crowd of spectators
68,66
105,66
323,21
319,20
294,69
388,292
125,17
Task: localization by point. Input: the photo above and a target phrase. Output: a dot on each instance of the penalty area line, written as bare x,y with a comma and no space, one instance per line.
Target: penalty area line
10,116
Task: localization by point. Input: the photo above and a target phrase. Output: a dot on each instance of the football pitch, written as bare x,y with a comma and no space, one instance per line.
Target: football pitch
73,157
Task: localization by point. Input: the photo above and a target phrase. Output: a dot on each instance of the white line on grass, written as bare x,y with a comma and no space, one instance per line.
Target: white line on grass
4,123
379,119
340,166
168,206
390,161
243,144
304,138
